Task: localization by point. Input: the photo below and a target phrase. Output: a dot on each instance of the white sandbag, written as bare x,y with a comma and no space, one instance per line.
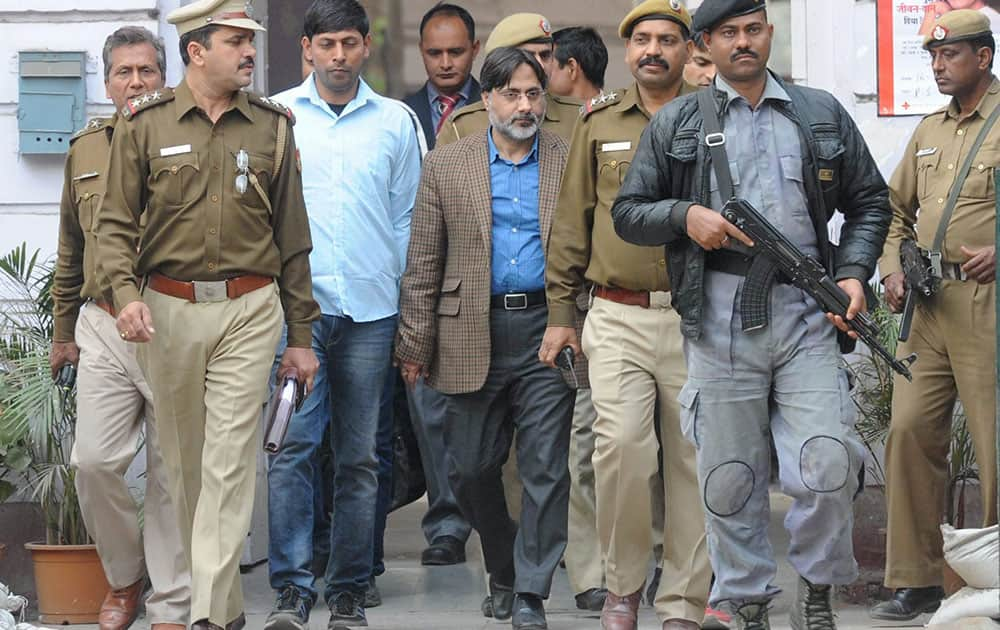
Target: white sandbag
974,554
968,602
7,621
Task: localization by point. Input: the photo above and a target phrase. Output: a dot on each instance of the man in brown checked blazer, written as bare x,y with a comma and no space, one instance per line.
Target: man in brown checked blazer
472,316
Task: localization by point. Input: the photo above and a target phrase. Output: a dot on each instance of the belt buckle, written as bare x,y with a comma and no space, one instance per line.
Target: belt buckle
507,305
210,290
659,300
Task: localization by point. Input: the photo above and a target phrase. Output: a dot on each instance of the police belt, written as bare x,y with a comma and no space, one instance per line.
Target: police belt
517,301
207,290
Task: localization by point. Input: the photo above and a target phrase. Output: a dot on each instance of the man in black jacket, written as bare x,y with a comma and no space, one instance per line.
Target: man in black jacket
448,46
796,155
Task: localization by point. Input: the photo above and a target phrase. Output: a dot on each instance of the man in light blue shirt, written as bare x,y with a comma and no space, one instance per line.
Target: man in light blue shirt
360,157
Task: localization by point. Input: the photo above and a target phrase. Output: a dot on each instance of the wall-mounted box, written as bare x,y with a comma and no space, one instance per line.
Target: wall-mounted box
52,95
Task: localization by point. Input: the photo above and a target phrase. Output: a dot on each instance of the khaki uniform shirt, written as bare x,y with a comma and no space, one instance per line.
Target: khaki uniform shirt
560,116
923,179
77,275
169,160
584,247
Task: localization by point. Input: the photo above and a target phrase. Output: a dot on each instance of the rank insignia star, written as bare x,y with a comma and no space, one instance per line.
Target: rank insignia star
612,96
155,95
93,124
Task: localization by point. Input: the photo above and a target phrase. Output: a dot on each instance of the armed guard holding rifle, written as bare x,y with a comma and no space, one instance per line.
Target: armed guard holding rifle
797,157
947,172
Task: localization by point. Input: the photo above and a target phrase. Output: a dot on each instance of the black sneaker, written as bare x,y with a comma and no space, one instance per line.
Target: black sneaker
291,611
347,611
373,598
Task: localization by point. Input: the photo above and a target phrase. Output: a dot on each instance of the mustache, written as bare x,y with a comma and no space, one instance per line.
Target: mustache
654,61
743,51
528,117
247,63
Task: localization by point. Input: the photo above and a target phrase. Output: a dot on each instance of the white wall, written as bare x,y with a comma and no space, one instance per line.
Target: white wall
29,200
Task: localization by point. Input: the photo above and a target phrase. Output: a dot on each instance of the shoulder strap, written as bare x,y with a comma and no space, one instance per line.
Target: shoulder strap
956,186
279,146
716,141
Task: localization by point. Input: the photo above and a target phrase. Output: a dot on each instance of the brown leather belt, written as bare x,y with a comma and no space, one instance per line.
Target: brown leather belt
622,296
207,290
106,307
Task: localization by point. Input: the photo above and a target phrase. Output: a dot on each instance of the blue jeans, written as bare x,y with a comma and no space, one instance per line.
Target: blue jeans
384,454
354,360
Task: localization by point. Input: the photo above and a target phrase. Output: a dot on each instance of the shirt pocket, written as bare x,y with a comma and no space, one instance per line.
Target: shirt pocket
927,166
612,167
829,151
173,179
261,166
450,300
979,184
87,194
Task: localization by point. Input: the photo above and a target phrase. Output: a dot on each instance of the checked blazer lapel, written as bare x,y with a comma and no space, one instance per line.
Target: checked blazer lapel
550,169
479,194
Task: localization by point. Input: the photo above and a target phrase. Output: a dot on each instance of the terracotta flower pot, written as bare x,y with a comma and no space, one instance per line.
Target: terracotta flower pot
70,582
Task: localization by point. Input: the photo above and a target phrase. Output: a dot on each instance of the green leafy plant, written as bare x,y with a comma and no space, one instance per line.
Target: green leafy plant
37,418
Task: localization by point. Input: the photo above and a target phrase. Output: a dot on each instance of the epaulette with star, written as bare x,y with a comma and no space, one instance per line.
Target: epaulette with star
601,101
269,103
150,99
92,126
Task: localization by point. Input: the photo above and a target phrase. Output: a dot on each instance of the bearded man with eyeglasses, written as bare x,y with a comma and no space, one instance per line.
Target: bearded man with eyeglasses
472,316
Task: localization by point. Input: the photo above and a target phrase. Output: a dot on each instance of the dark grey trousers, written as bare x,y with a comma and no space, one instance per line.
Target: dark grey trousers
519,394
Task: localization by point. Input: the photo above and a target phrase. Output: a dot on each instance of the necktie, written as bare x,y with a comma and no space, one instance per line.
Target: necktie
446,105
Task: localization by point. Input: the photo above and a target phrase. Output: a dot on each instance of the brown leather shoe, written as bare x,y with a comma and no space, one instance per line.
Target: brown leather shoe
680,624
121,607
621,613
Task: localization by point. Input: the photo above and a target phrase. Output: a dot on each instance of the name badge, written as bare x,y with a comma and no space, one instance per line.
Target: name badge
616,146
826,174
927,151
176,150
83,176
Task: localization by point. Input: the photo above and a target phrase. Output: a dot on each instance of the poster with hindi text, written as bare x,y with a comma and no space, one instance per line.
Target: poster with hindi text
906,84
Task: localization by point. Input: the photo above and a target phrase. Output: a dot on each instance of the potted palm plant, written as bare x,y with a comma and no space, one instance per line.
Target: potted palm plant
37,420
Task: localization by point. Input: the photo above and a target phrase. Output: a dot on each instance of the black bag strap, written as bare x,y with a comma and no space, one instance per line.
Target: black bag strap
956,186
716,141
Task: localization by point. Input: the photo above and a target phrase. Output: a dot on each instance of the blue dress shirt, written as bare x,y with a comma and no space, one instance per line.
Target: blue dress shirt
360,172
518,255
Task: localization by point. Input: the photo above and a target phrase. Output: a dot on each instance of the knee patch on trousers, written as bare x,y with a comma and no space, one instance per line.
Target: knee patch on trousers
824,464
728,488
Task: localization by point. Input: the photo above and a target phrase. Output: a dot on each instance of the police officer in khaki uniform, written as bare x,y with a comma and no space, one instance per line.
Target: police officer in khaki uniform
113,398
533,33
631,337
954,330
225,249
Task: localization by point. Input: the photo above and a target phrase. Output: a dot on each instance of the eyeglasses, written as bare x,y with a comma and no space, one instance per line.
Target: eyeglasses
242,170
514,96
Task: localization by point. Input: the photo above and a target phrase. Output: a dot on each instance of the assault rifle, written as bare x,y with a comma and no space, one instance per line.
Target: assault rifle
771,254
920,280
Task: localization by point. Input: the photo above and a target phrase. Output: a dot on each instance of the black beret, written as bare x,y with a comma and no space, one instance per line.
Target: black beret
711,12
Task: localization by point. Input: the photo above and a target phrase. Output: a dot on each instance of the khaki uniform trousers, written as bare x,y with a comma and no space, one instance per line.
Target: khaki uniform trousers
953,335
208,366
112,401
636,368
584,568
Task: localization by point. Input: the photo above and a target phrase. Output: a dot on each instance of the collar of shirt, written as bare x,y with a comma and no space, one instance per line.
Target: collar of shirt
307,91
185,102
463,94
983,108
630,99
772,91
495,154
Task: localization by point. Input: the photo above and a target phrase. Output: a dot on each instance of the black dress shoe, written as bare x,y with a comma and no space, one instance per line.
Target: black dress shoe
592,599
502,600
908,603
443,551
529,614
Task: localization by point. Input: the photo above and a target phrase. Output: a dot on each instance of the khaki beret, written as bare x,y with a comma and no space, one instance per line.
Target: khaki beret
518,29
238,13
956,26
671,10
711,12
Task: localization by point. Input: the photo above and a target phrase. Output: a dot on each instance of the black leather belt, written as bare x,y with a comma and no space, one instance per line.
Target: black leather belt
734,263
517,301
